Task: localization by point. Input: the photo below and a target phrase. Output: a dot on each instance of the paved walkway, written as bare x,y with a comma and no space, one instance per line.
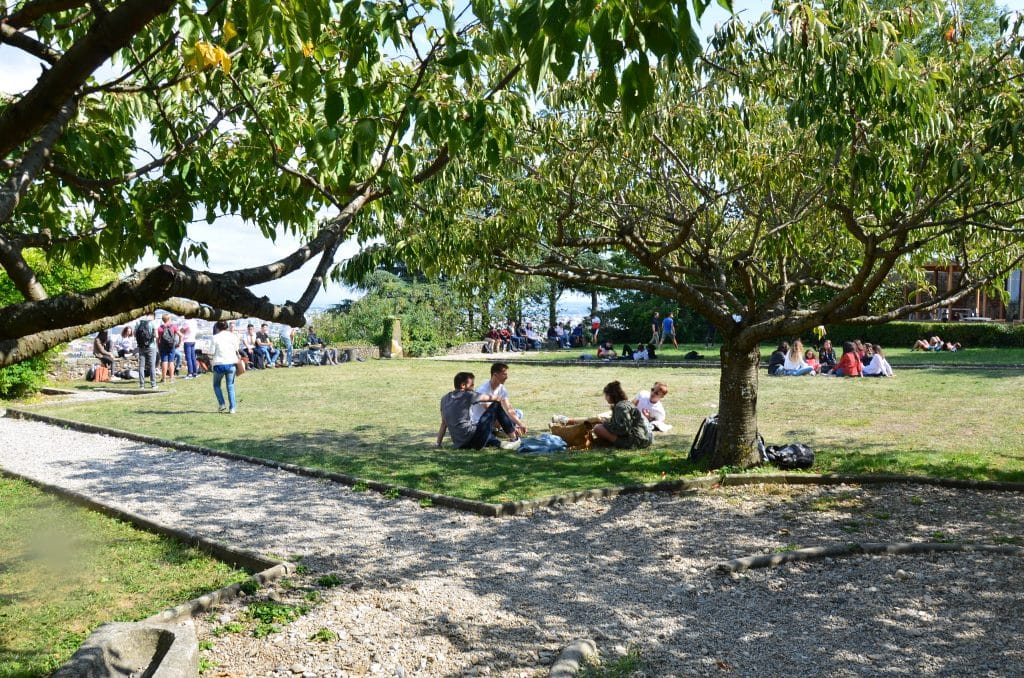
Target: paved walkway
436,593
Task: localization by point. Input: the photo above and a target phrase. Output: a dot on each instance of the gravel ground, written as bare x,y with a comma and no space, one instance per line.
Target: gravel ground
429,592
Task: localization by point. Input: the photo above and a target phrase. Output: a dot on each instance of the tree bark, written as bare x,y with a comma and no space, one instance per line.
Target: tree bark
737,408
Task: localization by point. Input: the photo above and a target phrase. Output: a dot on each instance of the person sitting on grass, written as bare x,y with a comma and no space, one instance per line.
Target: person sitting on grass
456,420
849,365
126,346
827,357
879,366
606,352
951,346
650,406
777,360
812,360
794,365
626,429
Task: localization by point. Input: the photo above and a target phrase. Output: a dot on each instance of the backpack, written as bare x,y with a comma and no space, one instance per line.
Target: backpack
91,374
706,440
793,455
143,333
167,338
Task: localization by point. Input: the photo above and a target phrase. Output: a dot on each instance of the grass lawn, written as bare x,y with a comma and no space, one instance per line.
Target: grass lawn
378,420
65,570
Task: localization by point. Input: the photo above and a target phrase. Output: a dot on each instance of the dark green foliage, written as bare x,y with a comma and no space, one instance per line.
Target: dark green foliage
629,320
429,312
904,334
24,378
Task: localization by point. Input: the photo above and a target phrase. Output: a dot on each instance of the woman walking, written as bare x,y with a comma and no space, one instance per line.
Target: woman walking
225,355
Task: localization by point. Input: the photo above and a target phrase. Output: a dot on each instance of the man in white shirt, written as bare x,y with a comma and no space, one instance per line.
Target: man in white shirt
495,386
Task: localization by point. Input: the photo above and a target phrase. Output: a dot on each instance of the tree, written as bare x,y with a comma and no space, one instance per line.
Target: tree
270,110
801,175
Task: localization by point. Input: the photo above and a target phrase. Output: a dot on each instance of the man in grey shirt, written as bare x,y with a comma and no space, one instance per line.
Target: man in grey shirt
455,417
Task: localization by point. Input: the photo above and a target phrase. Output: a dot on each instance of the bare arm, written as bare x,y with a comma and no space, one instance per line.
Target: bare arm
441,432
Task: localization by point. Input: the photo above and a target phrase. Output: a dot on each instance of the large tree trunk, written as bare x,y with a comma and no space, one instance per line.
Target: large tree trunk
737,408
593,302
553,293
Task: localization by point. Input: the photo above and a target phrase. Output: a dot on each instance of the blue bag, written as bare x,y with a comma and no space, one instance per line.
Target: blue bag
545,443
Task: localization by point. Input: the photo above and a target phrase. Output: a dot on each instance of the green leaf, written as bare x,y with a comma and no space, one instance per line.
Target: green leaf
334,107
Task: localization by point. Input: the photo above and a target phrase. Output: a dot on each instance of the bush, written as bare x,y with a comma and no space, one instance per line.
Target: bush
24,378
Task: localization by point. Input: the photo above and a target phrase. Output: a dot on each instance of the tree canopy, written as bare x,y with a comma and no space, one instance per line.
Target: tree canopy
297,116
801,174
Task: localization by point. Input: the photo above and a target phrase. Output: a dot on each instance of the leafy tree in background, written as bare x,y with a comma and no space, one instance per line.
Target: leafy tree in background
271,110
431,316
804,173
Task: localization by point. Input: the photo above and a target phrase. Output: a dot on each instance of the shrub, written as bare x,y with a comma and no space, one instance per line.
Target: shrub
26,377
993,335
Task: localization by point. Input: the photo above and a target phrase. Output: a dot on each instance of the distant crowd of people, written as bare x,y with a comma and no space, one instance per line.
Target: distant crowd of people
171,344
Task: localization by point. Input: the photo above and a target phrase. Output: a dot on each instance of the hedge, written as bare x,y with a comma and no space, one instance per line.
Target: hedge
904,334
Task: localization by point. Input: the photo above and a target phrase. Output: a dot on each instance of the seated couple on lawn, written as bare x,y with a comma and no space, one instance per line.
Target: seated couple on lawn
471,416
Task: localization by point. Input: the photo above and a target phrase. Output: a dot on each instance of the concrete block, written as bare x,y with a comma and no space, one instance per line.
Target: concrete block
136,649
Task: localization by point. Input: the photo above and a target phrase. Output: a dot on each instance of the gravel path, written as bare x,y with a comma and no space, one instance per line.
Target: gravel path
428,592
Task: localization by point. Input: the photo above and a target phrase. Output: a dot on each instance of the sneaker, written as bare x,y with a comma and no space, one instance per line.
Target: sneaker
559,419
231,411
222,409
512,444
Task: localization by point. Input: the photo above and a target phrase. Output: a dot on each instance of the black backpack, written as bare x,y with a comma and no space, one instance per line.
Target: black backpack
167,340
793,455
143,333
706,440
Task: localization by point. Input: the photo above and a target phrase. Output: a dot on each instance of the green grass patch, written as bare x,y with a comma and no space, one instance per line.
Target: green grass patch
378,420
65,570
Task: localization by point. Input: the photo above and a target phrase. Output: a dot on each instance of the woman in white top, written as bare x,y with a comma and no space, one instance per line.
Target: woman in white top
650,405
795,365
879,366
225,355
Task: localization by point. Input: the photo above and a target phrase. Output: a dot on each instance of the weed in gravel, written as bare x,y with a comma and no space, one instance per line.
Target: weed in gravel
329,581
1009,539
325,636
206,664
270,616
622,667
393,493
311,596
249,587
360,487
205,644
426,502
230,627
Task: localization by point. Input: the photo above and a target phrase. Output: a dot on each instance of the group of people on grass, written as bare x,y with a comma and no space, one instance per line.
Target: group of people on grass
934,343
472,415
859,359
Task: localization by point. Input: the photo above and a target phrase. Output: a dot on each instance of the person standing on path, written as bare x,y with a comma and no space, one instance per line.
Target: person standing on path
145,339
225,355
167,342
655,328
668,329
288,339
189,330
595,328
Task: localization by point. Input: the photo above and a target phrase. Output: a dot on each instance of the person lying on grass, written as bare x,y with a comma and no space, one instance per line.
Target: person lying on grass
455,417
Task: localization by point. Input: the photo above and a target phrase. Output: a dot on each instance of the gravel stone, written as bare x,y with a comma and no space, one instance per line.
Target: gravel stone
434,593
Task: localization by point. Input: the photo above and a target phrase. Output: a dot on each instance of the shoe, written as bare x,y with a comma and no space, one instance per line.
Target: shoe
222,409
231,411
559,419
512,444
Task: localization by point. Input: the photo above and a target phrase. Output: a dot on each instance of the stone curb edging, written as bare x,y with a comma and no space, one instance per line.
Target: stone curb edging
570,660
206,602
528,505
864,548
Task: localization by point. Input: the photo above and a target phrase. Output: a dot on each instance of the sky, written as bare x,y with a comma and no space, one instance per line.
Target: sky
233,245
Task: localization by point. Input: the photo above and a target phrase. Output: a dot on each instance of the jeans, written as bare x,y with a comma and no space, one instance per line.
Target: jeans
190,358
220,372
288,348
798,373
484,434
269,355
147,359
